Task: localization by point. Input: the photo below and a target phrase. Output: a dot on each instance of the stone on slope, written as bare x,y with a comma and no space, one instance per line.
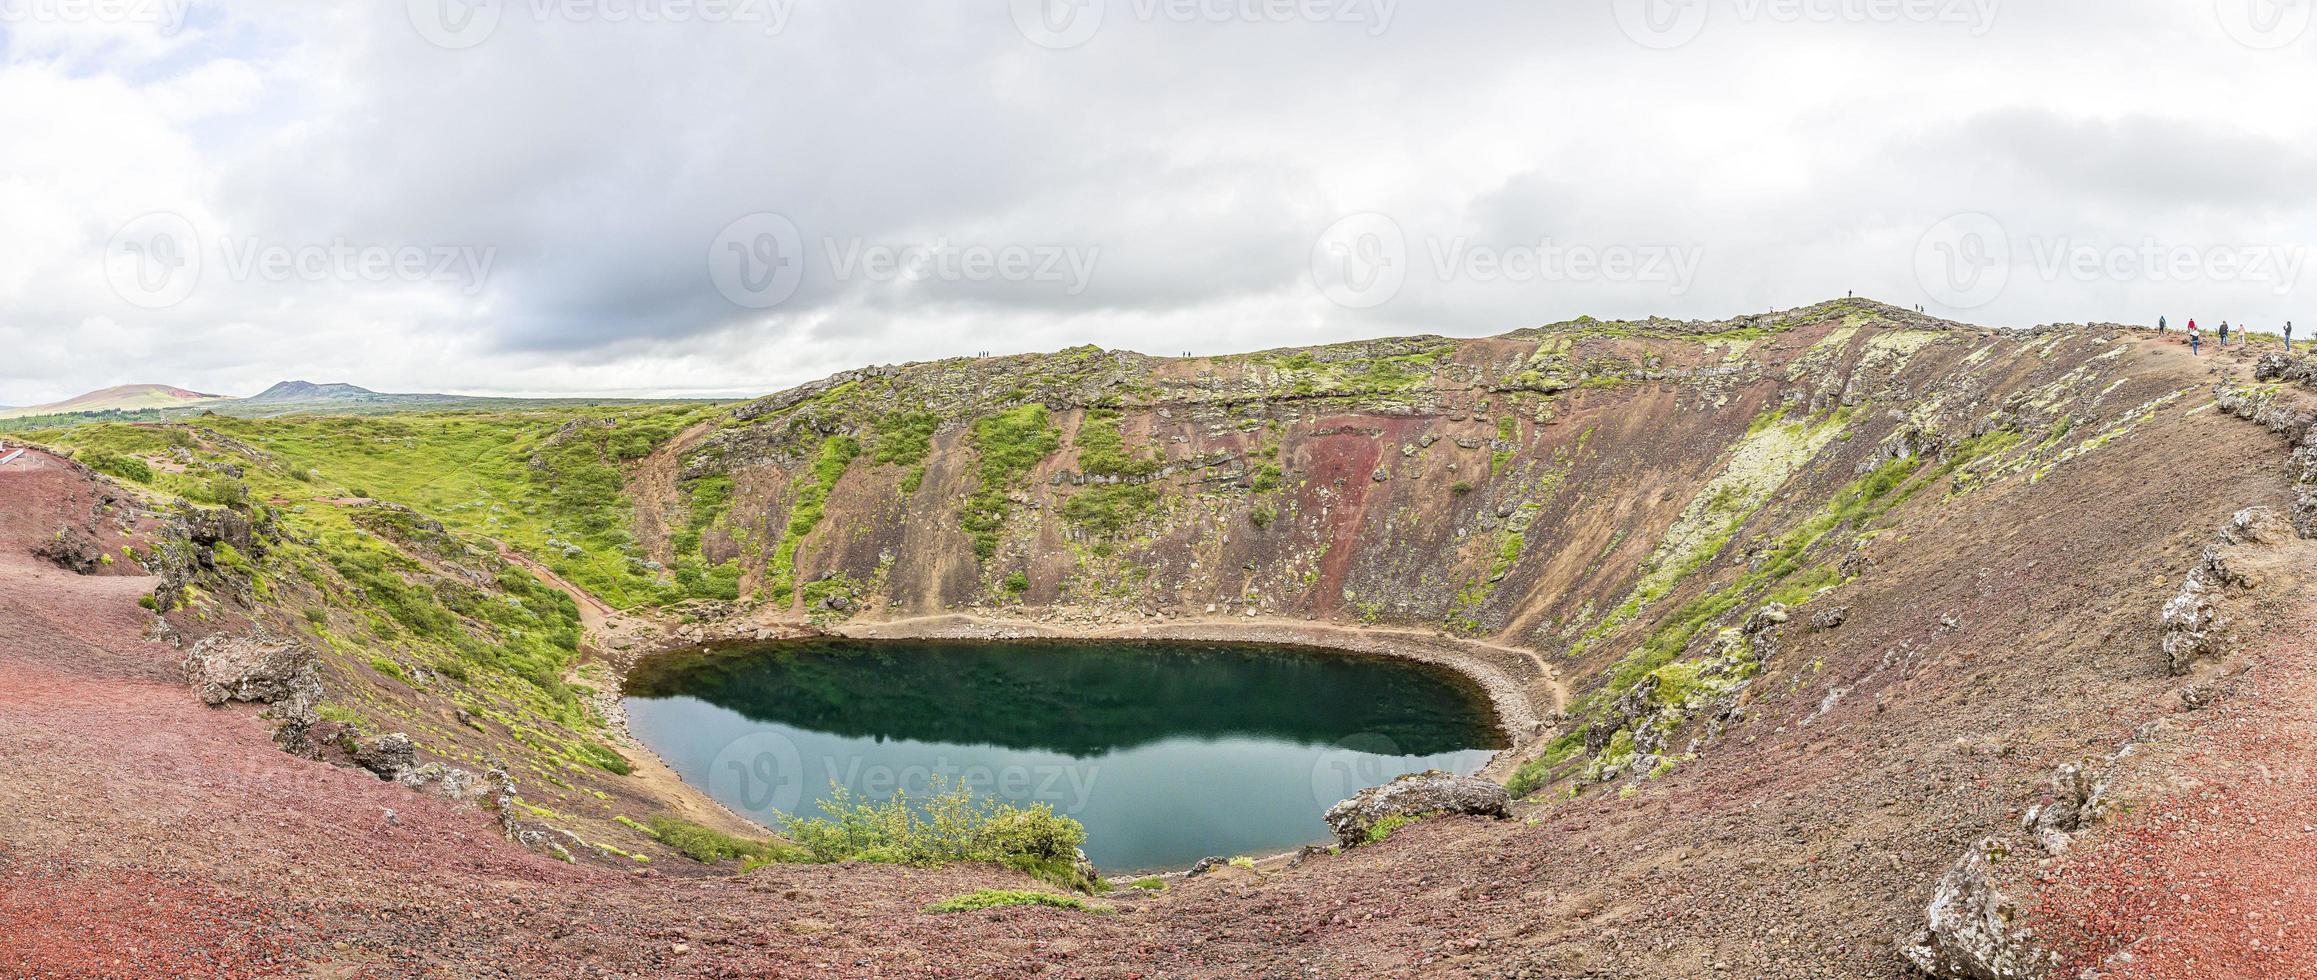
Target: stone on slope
1420,794
1973,932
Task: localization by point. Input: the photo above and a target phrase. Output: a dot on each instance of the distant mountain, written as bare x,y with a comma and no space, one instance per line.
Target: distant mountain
307,392
124,398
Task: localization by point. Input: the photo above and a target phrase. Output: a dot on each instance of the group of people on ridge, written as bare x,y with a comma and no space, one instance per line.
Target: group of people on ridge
2196,336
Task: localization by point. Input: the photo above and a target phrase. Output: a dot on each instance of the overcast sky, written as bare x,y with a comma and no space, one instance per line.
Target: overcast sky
643,197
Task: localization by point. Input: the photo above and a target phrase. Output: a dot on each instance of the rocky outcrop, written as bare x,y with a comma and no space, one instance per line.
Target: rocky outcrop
2195,626
2285,417
225,669
2078,798
71,549
1974,930
389,756
1429,793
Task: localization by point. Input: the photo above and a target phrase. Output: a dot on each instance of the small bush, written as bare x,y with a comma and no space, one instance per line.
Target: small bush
116,465
1382,829
1460,488
1018,583
948,824
995,899
1149,884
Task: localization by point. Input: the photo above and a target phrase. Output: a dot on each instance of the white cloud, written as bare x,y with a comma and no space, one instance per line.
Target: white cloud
1791,157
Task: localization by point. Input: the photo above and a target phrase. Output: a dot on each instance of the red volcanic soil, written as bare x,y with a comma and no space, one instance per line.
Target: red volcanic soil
143,834
2221,880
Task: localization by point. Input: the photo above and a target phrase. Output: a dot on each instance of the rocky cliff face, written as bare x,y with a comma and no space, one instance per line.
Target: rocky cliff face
1619,497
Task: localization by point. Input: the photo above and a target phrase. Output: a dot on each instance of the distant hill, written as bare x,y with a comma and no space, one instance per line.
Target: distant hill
309,393
123,398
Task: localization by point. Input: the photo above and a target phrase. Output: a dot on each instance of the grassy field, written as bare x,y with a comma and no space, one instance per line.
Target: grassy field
544,481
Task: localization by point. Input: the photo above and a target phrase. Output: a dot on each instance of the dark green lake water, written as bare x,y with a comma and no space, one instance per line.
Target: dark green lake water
1166,752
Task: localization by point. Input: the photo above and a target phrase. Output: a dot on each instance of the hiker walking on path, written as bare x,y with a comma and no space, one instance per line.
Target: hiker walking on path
2288,336
2224,333
2160,326
2195,345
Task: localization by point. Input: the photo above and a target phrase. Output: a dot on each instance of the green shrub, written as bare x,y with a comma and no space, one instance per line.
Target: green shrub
994,899
113,464
1108,510
948,824
1382,829
1018,583
1149,884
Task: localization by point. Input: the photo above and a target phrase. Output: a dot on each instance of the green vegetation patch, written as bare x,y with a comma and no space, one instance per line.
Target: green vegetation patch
812,499
709,846
947,824
1010,444
995,899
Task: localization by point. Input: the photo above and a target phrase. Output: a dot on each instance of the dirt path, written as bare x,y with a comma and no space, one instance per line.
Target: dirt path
652,486
594,614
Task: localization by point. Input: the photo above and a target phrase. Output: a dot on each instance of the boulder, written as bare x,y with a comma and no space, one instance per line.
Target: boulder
1973,931
71,549
387,755
1416,795
251,669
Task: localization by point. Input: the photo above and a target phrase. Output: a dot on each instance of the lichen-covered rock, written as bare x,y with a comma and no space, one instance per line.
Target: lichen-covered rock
71,549
1974,931
250,669
390,756
1415,795
2194,627
2077,800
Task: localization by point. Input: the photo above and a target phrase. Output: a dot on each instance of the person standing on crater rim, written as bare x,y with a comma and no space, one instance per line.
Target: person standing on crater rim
2288,336
2224,333
2195,345
2161,326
